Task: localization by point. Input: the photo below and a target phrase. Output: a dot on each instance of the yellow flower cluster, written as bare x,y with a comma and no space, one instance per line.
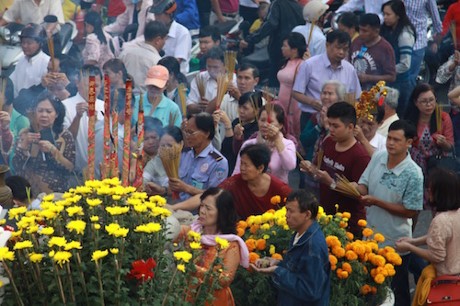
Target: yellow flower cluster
183,256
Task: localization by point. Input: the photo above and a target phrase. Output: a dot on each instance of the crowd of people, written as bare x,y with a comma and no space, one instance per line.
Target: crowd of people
349,105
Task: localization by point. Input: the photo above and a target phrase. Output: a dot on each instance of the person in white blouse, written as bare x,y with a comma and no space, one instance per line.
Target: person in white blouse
369,6
32,11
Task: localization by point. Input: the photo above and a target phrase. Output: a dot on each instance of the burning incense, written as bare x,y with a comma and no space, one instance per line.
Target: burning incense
319,158
182,91
201,85
170,158
3,93
127,135
91,126
299,156
312,26
438,118
344,186
106,164
140,123
453,32
222,85
114,153
51,50
268,95
230,63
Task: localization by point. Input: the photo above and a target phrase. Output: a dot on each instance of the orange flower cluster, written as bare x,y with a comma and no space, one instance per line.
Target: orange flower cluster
367,105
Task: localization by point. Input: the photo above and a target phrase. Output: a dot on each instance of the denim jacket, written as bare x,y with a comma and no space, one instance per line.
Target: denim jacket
302,277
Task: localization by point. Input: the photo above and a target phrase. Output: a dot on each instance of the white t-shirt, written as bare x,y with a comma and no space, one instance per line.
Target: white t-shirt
318,40
179,45
379,142
29,12
29,71
81,141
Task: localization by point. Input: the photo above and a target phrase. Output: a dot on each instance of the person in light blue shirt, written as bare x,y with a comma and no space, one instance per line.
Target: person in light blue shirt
201,165
155,103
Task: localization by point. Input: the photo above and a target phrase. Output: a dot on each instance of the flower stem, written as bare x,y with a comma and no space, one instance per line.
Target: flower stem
69,275
99,278
83,282
118,281
169,288
61,289
13,284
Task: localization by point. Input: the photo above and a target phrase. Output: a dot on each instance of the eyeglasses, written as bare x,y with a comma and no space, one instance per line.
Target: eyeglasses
190,133
427,101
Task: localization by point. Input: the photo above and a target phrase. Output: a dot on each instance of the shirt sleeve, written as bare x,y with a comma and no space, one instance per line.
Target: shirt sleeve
434,13
120,23
447,20
288,155
406,43
194,95
413,193
351,6
13,13
444,74
447,128
364,179
56,10
182,50
219,174
438,235
302,78
92,51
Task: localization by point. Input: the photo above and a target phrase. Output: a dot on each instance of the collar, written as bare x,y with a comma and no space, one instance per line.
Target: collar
314,227
327,62
206,151
173,29
399,168
163,102
147,46
35,57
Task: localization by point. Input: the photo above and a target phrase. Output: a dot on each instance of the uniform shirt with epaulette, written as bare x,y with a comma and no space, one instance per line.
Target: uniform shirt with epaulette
207,169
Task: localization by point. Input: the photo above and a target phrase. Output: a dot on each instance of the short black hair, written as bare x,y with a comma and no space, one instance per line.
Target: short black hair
340,36
19,186
247,66
154,29
153,125
226,213
278,110
371,20
408,128
211,31
259,154
343,111
174,132
216,53
89,70
255,98
204,122
445,189
350,20
306,200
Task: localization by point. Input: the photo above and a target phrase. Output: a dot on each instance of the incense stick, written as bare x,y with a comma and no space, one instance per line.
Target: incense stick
182,90
344,186
438,118
319,158
51,51
222,85
311,32
170,158
230,63
453,31
200,85
299,156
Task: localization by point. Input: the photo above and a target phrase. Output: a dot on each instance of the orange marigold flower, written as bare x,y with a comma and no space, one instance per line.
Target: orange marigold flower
254,228
379,278
242,224
346,267
251,244
275,200
261,244
378,260
367,232
341,274
253,257
349,235
379,237
240,231
350,255
333,260
277,256
338,251
343,224
374,290
333,241
365,289
362,222
346,215
333,268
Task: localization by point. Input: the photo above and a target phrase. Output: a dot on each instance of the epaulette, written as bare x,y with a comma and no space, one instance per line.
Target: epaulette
216,156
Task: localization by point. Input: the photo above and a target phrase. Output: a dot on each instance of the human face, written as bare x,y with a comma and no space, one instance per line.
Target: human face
114,77
206,43
215,67
337,52
159,42
89,28
263,122
397,143
248,170
46,114
246,112
369,127
287,51
344,28
163,18
29,46
368,34
389,17
195,138
296,220
167,141
208,212
329,95
338,130
151,142
426,103
245,81
83,86
154,92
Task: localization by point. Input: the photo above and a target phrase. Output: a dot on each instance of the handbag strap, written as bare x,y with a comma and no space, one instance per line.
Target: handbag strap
290,96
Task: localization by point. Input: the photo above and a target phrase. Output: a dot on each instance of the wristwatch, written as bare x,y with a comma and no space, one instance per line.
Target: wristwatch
333,185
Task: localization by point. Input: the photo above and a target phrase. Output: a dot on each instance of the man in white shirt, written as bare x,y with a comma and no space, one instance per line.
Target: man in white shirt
369,6
390,104
312,11
140,55
76,117
179,41
33,65
32,11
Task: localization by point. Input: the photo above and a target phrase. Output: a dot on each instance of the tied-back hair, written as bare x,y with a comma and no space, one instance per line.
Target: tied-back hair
95,20
296,41
445,189
59,108
226,214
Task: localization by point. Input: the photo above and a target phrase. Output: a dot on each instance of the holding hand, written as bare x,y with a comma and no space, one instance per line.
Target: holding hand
5,120
46,146
238,131
178,185
81,108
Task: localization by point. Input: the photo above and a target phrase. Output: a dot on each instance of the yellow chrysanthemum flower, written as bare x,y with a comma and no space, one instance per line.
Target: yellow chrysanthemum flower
192,235
160,211
6,254
223,243
34,257
133,201
159,200
2,221
16,233
48,197
57,241
77,226
181,268
116,197
83,189
121,232
74,210
195,245
61,257
73,245
183,255
99,255
272,249
23,245
112,228
93,202
148,228
32,229
117,210
48,214
114,251
97,227
94,218
14,213
48,231
140,208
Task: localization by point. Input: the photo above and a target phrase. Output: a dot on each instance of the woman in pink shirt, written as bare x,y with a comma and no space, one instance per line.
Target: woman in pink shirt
270,132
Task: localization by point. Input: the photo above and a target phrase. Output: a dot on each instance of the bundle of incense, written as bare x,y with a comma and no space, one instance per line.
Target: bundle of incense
91,126
201,85
172,119
350,97
127,135
319,158
222,85
453,32
170,158
106,164
344,186
114,154
230,63
51,50
268,95
182,92
255,105
3,93
140,122
299,156
438,118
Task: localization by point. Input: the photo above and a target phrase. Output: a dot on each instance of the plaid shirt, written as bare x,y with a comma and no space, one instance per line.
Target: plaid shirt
417,11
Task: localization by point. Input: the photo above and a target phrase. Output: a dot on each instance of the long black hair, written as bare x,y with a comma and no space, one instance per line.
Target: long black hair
59,108
413,113
392,36
296,41
95,20
226,213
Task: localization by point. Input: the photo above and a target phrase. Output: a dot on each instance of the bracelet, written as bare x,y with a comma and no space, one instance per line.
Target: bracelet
228,128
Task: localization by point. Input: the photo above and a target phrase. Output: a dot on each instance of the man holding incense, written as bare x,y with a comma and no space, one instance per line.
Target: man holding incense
392,189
